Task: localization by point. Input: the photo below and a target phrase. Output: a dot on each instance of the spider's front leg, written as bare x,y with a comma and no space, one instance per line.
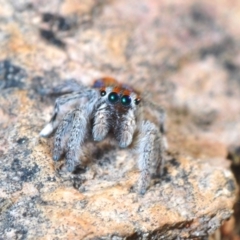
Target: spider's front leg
66,103
161,114
125,129
77,135
161,118
68,86
71,117
101,122
151,154
61,136
76,123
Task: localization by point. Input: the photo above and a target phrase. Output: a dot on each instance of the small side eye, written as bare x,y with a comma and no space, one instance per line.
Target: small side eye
126,100
137,101
113,97
102,93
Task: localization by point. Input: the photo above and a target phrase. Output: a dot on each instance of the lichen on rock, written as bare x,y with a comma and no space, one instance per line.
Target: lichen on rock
181,54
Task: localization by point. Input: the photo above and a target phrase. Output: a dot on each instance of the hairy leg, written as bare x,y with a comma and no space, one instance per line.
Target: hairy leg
101,122
77,135
161,117
67,102
151,149
160,112
60,136
125,129
68,86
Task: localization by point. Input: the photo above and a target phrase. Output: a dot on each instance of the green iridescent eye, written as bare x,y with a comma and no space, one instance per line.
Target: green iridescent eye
126,100
113,97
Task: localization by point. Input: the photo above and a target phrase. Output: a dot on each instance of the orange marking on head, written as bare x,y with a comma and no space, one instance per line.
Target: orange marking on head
117,89
108,81
103,89
126,92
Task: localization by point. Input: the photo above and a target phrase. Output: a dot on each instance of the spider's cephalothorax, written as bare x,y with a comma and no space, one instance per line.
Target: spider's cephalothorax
107,109
116,113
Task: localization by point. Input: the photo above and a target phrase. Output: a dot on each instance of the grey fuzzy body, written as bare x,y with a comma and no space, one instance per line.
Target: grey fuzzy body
84,110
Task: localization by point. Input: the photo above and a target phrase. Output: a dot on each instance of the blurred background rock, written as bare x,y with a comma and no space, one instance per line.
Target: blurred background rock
184,53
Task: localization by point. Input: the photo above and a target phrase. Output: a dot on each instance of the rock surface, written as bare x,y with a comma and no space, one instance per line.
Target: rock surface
186,55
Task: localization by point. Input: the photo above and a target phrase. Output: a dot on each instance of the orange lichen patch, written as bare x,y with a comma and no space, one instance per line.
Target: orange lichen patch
73,7
203,147
63,194
87,220
21,97
116,42
75,226
26,103
154,211
192,197
4,118
83,224
18,42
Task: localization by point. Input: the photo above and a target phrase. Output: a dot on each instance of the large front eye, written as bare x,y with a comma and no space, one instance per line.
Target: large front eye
113,97
126,100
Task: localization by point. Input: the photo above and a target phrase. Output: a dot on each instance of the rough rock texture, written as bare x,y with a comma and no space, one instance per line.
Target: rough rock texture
186,55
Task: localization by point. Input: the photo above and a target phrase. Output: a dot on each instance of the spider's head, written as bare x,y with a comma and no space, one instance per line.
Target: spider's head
121,96
104,82
118,109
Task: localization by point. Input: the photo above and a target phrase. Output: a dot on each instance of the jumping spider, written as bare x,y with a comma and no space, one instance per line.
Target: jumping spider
108,108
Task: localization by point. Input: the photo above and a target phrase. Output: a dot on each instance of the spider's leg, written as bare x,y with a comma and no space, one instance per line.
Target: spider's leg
161,114
77,135
59,138
125,129
151,150
67,102
68,86
101,122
